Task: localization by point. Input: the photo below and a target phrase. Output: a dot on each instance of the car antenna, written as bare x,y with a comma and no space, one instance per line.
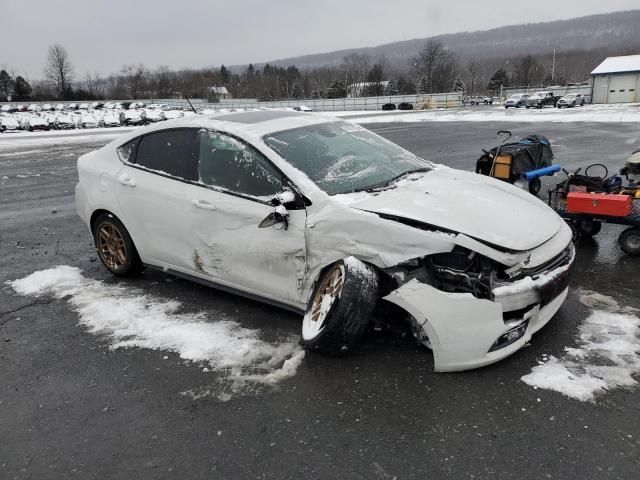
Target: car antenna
192,107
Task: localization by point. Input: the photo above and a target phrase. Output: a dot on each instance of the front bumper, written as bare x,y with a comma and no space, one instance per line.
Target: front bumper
463,330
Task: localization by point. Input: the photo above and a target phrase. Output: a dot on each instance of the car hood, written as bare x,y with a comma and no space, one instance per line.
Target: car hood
462,202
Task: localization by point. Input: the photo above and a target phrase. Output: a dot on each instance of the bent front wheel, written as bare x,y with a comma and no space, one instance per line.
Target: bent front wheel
340,308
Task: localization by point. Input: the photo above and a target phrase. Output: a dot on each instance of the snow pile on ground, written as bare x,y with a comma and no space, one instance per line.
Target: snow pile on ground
128,318
608,356
614,113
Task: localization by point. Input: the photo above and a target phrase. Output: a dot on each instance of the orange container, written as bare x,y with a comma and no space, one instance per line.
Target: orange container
502,167
600,204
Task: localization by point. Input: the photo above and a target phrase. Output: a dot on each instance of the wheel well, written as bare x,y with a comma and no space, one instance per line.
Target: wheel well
96,214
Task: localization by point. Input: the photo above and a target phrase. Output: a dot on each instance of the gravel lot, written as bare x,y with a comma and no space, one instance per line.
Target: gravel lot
71,407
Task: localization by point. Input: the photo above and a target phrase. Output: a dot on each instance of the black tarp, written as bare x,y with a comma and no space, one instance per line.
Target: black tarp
529,153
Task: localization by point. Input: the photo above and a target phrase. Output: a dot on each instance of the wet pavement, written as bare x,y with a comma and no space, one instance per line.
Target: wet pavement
71,407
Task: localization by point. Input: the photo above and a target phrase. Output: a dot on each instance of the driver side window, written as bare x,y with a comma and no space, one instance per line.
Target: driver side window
227,163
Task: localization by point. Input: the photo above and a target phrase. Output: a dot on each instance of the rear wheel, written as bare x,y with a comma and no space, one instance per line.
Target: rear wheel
588,227
341,306
629,241
115,247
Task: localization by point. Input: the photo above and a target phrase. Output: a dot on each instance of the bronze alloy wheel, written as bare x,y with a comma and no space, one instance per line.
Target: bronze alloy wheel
111,247
325,296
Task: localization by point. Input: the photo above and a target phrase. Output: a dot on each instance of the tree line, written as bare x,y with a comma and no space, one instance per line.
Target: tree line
435,69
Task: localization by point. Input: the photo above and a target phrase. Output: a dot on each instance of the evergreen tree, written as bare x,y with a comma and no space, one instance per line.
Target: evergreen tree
225,75
498,78
337,90
6,85
22,90
392,88
458,85
423,86
296,92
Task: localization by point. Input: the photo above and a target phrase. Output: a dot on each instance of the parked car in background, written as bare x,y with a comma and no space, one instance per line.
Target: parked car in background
60,107
9,123
571,100
302,108
479,100
37,122
389,106
47,107
88,120
64,121
516,101
173,114
34,107
135,117
154,115
112,118
405,106
542,99
7,109
72,106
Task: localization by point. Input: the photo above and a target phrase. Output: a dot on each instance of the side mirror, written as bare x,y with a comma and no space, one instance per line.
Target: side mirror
283,198
279,215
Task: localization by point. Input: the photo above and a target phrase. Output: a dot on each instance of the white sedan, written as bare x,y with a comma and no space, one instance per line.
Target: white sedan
326,218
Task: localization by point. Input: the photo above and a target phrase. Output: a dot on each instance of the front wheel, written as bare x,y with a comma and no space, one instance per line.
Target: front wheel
629,241
341,306
115,247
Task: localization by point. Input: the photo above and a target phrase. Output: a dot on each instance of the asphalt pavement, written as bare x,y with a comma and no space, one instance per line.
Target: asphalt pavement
71,407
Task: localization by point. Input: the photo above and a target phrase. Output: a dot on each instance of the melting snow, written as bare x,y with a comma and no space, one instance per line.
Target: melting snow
129,318
608,356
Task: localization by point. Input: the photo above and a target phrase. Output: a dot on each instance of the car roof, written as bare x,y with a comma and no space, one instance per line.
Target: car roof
251,124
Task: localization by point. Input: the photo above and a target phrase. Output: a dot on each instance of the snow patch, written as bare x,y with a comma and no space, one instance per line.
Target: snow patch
614,113
128,318
608,356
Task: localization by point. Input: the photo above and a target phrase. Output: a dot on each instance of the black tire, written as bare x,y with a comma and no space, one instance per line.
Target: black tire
588,227
528,107
629,241
534,186
349,312
575,233
123,261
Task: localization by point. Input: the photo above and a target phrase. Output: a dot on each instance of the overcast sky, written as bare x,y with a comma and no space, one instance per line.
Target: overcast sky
102,35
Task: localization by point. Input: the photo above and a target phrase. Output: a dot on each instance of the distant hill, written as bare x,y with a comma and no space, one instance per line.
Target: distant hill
601,35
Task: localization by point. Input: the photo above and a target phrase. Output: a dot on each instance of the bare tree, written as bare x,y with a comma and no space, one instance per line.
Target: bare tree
59,70
134,78
425,64
356,68
94,86
528,71
473,72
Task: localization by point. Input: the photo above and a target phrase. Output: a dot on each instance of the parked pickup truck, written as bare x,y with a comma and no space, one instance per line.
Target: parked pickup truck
478,100
542,99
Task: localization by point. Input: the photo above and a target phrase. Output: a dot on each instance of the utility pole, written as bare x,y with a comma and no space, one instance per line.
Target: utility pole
553,66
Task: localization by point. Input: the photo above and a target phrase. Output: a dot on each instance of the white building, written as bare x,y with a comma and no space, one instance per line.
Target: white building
220,92
358,89
617,80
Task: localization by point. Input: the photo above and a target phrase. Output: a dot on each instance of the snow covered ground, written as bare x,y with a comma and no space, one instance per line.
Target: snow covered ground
589,113
607,356
127,318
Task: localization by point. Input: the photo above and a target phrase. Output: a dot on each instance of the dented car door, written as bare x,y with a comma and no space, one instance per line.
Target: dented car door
234,193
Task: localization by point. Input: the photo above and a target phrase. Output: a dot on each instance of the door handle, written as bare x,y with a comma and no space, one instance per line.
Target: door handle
203,204
127,180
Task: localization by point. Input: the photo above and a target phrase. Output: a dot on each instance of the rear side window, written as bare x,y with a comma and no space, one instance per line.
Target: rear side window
171,152
127,152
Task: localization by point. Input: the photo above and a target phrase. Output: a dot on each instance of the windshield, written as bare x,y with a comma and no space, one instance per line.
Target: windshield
341,157
570,96
515,97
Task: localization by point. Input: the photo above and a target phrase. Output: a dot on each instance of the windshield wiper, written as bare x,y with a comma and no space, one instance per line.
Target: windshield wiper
387,183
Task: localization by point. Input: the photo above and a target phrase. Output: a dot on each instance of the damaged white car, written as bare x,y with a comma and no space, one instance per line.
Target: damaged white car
330,220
